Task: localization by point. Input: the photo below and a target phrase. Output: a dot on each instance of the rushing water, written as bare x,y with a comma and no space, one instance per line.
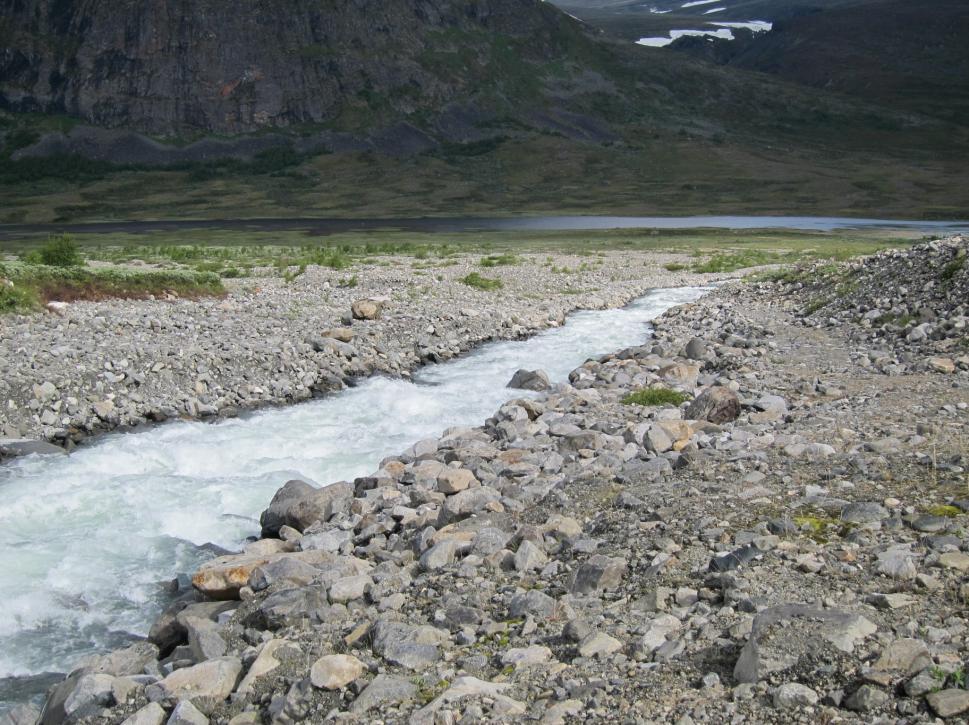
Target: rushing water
86,539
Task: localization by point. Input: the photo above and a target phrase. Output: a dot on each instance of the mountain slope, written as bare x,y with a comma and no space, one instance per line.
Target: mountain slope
892,52
205,65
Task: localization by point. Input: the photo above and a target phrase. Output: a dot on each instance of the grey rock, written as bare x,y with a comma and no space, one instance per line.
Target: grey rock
696,349
716,405
597,574
348,588
384,690
897,562
211,681
923,683
185,713
463,504
599,644
866,698
286,571
126,661
204,638
439,556
92,693
17,447
334,672
332,540
576,630
864,513
533,602
413,647
794,695
20,715
298,504
822,628
529,557
735,559
291,605
150,714
530,380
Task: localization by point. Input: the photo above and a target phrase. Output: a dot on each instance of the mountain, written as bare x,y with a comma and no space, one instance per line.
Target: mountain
113,109
892,52
190,66
895,53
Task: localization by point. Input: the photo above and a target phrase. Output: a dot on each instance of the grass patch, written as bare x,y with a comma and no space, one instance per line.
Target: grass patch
953,268
500,260
34,285
674,267
656,396
348,282
483,283
730,262
815,306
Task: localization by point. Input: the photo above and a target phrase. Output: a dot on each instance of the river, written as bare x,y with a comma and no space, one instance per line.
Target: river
87,540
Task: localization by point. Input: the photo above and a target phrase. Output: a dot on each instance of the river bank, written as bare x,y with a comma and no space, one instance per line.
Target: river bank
787,544
448,225
98,366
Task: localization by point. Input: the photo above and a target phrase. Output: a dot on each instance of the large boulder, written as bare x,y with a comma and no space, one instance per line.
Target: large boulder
716,405
223,577
530,380
15,447
791,637
298,504
205,684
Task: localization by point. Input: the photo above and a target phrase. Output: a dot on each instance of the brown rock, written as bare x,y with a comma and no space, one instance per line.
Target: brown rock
366,309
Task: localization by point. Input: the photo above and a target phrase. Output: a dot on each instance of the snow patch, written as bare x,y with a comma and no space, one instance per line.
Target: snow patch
757,26
722,34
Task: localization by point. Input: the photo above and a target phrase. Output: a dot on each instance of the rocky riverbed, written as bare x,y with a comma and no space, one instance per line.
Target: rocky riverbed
788,544
93,367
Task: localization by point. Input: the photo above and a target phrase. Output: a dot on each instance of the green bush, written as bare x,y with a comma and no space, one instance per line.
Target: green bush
60,252
483,283
15,299
656,396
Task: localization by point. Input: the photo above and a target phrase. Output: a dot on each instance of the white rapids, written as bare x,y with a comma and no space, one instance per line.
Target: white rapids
87,540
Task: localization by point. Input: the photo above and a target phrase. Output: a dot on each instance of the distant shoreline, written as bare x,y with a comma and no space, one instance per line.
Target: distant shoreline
475,224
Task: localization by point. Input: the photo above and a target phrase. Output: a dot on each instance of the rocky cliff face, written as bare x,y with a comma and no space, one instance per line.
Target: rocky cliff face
186,66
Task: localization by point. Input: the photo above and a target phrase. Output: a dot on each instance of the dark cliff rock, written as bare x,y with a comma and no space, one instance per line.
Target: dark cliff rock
190,67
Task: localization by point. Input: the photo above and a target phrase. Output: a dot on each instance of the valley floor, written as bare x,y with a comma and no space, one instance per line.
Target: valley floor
789,545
